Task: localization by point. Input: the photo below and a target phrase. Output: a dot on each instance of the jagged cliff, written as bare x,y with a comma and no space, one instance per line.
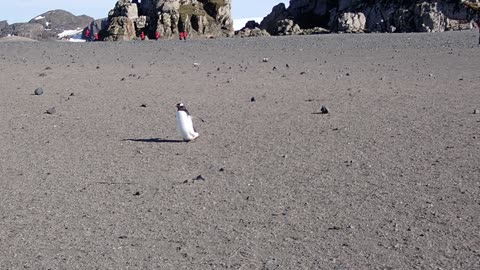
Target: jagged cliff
369,16
200,18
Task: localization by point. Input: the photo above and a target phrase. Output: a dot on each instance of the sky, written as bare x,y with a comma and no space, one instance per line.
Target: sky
24,10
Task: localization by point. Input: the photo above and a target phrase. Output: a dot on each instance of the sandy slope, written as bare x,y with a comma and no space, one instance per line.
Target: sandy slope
389,180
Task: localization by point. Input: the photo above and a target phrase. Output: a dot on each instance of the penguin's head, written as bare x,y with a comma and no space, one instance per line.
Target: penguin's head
181,107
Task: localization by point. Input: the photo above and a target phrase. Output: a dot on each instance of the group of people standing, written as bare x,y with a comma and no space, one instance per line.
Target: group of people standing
89,36
95,37
181,35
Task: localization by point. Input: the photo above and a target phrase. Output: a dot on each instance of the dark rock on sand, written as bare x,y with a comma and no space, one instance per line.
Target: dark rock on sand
51,110
38,91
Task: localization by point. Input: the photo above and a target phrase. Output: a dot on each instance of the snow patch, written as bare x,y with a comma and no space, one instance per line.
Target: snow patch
69,33
240,23
39,18
72,35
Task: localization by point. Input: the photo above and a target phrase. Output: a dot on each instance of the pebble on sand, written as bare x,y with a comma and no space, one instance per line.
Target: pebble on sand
199,178
476,111
52,110
38,91
253,99
265,60
324,110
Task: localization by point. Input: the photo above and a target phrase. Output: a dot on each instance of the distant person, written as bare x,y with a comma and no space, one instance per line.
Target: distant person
95,37
142,36
180,35
157,35
87,34
185,35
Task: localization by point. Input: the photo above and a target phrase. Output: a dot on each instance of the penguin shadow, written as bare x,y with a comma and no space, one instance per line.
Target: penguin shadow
154,140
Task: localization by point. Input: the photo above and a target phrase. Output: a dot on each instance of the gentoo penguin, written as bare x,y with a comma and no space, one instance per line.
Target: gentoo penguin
185,123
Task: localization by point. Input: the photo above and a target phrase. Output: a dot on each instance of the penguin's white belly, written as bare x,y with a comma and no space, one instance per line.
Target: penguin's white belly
185,126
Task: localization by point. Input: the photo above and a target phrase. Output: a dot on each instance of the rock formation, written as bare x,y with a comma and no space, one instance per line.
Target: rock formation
46,26
200,18
28,30
61,20
251,29
368,16
3,24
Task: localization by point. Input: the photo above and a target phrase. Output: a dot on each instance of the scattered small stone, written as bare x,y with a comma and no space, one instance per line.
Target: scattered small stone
348,74
218,69
265,60
431,75
136,193
72,94
122,79
303,73
199,178
143,105
335,228
229,80
324,110
48,68
476,111
274,68
42,74
221,170
122,237
38,91
271,264
98,67
287,66
52,110
196,65
253,99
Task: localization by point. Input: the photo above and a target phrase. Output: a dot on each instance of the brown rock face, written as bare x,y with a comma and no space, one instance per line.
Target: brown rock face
121,29
200,18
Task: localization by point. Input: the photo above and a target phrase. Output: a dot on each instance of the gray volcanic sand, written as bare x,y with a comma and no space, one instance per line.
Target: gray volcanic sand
390,179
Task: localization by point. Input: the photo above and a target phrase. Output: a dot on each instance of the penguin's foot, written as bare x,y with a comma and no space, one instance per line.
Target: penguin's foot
192,141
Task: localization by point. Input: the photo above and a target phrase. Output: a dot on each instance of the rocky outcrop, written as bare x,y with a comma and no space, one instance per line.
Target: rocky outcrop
28,30
200,18
251,29
270,22
120,29
46,26
61,20
351,22
3,24
370,16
